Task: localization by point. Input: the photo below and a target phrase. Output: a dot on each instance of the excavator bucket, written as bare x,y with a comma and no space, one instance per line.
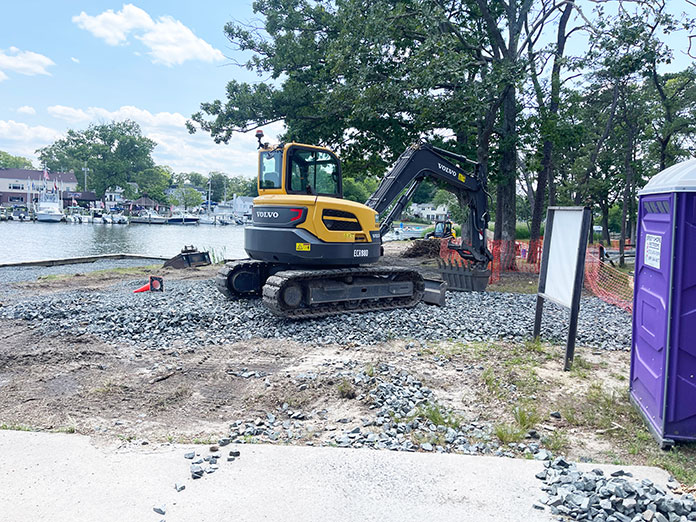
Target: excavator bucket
435,291
461,278
189,257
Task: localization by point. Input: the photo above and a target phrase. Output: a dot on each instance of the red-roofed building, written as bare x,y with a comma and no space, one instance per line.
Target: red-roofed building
19,186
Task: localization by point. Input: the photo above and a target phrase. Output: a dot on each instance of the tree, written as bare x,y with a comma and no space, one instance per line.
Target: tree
448,199
197,180
186,197
153,182
114,152
7,161
241,186
673,111
355,190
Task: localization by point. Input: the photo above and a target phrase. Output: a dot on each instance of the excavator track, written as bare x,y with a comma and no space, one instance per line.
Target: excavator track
299,294
225,279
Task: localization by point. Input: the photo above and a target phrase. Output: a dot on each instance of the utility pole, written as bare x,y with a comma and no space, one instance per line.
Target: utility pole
85,170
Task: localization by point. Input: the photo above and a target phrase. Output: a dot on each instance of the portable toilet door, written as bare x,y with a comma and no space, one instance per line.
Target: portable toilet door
663,355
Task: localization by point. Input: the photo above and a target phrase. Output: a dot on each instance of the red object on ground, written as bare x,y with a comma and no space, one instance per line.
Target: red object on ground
155,284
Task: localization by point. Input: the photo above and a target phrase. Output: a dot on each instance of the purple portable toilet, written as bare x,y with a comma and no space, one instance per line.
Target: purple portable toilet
663,357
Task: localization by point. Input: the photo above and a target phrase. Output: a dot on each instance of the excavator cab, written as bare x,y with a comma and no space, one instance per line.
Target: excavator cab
300,216
299,169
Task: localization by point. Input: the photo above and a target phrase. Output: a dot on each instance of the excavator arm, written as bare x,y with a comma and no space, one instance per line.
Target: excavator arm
421,161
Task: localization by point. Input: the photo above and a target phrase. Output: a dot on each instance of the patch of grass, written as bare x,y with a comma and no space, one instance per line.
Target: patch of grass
451,349
508,433
65,429
491,381
534,345
346,389
610,413
680,461
16,427
438,415
109,387
124,271
581,368
370,370
207,440
526,417
180,394
557,441
217,254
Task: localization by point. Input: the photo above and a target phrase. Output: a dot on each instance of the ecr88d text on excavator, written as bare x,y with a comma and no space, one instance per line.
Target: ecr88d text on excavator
310,250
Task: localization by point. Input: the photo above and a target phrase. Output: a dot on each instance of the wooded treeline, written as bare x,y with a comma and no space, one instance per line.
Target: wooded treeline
562,101
117,154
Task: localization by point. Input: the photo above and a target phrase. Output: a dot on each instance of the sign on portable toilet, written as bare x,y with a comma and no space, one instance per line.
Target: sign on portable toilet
663,355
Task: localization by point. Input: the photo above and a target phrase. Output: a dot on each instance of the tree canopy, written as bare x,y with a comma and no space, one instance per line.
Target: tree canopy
115,153
489,79
8,161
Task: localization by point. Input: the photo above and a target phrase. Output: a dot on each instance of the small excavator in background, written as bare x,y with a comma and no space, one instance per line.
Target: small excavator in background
310,250
443,230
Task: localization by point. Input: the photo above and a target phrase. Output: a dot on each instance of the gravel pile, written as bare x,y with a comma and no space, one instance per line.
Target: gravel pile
405,417
592,496
195,313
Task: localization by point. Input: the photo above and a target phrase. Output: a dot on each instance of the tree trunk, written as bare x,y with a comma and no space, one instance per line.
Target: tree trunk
605,224
506,210
628,166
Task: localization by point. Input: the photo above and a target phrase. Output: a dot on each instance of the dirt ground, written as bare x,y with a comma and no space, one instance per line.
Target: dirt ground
82,384
114,392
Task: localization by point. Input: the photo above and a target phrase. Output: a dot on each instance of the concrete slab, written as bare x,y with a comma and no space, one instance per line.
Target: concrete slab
58,477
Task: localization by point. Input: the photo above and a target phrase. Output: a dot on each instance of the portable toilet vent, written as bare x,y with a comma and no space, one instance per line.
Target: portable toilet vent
663,356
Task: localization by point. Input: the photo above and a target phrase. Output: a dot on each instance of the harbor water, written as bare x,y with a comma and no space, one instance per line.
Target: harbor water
34,241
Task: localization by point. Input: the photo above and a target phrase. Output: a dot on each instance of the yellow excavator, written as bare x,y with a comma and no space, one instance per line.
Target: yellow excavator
310,250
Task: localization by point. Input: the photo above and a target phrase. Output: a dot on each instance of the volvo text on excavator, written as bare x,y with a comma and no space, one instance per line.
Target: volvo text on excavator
310,250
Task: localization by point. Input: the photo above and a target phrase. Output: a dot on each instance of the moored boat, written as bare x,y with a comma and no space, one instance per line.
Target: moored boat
48,208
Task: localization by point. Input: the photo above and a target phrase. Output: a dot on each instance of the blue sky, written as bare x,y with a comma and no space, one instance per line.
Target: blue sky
68,63
65,64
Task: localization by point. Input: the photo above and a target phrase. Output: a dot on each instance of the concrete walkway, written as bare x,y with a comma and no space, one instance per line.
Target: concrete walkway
45,476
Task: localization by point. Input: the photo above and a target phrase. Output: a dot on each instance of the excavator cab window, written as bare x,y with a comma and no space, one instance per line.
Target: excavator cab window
314,172
271,169
439,229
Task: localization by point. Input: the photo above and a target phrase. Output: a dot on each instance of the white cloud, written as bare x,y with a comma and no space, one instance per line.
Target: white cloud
68,114
170,42
22,139
26,109
112,27
74,59
177,148
28,63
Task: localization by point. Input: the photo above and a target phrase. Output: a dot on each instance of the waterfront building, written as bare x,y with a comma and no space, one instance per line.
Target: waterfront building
22,186
429,211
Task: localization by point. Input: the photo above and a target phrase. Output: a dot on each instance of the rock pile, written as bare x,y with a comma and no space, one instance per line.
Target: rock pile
406,417
593,496
194,313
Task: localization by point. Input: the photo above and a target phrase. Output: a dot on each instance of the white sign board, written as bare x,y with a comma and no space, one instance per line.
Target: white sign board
653,246
563,256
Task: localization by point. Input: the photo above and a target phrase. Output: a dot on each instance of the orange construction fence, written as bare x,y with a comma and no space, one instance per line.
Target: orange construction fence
605,281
